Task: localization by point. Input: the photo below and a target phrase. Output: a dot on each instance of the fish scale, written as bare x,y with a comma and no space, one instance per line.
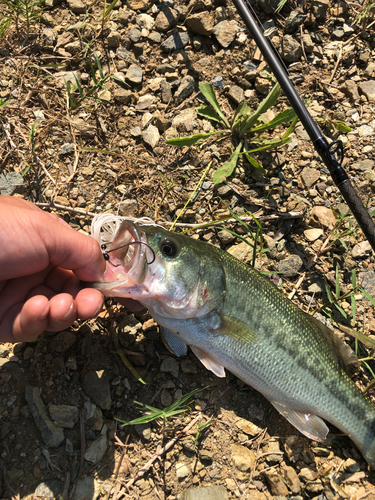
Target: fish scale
233,317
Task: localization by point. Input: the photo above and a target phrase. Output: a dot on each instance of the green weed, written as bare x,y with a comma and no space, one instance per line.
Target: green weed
179,406
20,14
245,129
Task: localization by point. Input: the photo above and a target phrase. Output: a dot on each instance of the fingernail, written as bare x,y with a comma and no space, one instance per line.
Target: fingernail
44,313
99,309
69,312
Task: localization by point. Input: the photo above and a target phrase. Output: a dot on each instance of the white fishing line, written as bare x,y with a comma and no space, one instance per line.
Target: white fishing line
105,226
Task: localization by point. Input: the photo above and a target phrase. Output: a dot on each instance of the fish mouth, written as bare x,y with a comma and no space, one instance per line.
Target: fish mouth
127,256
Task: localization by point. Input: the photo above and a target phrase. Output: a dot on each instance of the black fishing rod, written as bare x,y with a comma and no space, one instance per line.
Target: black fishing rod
332,154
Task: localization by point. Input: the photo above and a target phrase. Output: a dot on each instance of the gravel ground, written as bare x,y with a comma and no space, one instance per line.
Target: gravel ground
103,149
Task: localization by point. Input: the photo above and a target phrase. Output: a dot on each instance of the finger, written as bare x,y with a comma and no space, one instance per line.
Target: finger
25,322
89,303
62,312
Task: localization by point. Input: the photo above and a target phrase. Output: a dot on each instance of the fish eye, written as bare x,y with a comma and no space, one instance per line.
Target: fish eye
168,248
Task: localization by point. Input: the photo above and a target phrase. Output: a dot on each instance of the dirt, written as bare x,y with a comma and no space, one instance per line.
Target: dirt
84,159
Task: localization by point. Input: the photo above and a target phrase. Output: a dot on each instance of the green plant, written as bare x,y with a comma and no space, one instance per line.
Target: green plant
179,406
245,129
258,235
331,125
107,11
368,6
20,13
72,102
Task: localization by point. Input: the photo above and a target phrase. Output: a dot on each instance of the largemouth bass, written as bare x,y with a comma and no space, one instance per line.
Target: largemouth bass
234,318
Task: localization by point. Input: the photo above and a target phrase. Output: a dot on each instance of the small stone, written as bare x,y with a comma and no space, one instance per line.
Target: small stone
291,50
96,385
122,96
201,23
218,82
170,365
182,471
313,234
276,484
243,252
368,89
175,42
165,398
225,237
236,93
362,250
52,435
113,39
63,341
320,8
315,288
188,366
185,89
243,458
77,6
294,20
10,182
96,450
310,176
322,217
208,493
314,486
145,21
274,455
66,148
151,135
365,131
350,89
134,74
166,19
363,165
248,427
225,32
143,430
87,488
128,208
291,479
351,465
64,415
290,266
53,488
306,474
263,85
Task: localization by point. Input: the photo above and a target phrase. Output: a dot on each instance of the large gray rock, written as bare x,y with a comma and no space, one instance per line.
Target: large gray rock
166,19
291,50
185,89
96,386
225,32
175,42
368,88
201,23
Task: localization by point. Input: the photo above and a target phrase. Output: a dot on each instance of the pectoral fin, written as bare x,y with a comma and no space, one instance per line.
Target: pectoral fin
173,343
309,425
208,361
237,329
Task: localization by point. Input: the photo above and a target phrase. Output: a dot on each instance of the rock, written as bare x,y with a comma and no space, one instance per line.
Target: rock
96,450
122,96
263,85
175,42
170,365
66,148
10,183
52,435
225,32
138,4
207,493
218,82
290,266
319,8
350,89
368,88
243,458
182,471
166,92
322,217
166,19
226,237
314,487
87,488
134,74
63,341
308,43
274,455
77,6
4,351
64,415
145,21
313,234
291,50
294,20
113,39
49,37
151,135
363,165
361,250
236,93
165,398
291,479
248,427
53,488
276,484
201,23
307,474
365,131
366,279
185,89
242,252
96,385
310,176
143,430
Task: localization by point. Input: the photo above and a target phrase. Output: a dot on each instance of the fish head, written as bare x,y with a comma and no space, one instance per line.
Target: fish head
170,274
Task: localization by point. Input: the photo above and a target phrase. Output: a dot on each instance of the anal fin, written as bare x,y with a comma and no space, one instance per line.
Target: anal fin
308,424
208,361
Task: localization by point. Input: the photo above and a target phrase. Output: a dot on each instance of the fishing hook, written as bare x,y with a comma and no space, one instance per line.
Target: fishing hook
106,252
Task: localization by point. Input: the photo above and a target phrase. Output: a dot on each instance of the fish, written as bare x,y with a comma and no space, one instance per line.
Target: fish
234,318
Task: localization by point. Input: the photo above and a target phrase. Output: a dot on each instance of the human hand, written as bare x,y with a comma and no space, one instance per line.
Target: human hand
42,260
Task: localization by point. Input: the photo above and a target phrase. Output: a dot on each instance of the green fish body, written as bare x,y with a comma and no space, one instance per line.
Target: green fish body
234,318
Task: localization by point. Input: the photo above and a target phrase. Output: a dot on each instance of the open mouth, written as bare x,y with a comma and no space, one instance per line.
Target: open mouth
127,254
